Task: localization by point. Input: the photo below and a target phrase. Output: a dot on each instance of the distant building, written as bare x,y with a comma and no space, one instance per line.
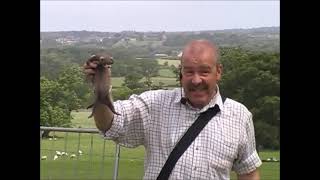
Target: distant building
161,55
65,41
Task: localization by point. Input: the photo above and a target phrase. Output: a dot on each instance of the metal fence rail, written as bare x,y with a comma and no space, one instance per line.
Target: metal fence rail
59,139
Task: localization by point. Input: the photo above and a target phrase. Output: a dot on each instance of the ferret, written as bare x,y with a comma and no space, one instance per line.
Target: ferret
102,82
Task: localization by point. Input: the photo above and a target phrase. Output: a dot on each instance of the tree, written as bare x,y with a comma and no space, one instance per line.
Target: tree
252,78
159,86
121,93
52,112
176,71
132,81
59,97
148,82
266,135
270,113
75,88
148,67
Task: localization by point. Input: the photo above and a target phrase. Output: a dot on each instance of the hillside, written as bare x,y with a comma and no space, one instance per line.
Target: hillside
256,39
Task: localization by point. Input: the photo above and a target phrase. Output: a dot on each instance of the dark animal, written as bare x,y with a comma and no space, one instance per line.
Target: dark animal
102,82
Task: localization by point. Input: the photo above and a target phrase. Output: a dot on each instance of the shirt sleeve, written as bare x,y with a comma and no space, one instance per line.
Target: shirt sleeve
248,159
128,128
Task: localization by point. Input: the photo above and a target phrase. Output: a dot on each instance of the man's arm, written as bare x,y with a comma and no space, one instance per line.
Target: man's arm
248,161
102,115
128,128
254,175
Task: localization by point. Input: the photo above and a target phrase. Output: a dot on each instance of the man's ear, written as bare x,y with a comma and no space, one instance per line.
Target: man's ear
180,73
219,69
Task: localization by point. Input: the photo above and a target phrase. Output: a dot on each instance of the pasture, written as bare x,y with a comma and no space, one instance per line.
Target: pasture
176,63
166,76
167,81
94,164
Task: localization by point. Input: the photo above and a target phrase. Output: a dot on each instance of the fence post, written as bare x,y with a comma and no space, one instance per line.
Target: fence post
116,162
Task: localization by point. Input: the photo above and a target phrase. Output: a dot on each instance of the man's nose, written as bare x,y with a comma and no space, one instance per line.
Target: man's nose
196,79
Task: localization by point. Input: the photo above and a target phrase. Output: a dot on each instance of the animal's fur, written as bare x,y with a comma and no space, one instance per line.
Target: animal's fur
101,81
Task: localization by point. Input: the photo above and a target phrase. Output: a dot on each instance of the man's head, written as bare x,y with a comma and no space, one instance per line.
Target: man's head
200,70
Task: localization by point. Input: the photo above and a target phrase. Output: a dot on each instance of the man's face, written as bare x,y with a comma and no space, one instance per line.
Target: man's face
200,74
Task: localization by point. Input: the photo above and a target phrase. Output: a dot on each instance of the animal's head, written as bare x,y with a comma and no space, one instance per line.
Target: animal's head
101,59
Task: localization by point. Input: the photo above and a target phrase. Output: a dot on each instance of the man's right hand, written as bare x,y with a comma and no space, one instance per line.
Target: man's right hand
89,68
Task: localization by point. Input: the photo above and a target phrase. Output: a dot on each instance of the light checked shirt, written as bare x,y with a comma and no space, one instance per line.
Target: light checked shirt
157,120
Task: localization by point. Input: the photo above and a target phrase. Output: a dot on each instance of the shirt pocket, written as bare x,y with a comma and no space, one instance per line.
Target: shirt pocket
223,152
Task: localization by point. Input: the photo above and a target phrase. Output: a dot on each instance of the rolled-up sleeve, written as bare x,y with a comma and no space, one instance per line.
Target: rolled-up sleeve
248,159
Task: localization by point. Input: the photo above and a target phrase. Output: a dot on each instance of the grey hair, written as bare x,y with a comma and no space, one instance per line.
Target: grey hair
215,47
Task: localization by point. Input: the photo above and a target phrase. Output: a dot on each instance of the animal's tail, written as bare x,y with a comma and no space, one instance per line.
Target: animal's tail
90,106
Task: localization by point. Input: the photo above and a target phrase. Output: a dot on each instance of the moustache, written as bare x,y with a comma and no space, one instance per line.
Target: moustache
200,87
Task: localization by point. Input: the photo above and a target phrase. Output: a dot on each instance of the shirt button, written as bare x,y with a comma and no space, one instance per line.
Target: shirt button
197,148
195,168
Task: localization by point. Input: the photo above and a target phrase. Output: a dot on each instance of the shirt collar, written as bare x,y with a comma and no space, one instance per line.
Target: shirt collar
217,99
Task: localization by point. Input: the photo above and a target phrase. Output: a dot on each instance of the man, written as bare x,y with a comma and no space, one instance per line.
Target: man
158,119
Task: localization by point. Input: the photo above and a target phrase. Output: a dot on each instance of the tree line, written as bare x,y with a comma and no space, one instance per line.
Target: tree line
252,78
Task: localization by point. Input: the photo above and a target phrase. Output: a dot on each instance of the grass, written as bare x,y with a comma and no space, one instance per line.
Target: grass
80,119
85,166
166,73
268,170
268,154
168,81
170,62
92,167
166,76
117,81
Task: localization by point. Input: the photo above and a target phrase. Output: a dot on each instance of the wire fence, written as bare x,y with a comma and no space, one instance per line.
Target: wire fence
77,153
81,153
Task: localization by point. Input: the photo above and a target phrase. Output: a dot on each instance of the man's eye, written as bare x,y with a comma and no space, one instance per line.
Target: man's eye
204,72
188,72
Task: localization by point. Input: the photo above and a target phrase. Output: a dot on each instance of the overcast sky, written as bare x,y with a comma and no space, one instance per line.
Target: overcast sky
116,16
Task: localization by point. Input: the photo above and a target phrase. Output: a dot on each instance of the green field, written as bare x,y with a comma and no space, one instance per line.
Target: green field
92,167
166,73
170,62
117,81
166,76
172,82
168,81
90,164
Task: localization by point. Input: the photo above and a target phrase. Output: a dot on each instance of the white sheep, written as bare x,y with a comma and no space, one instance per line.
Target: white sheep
43,157
58,153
